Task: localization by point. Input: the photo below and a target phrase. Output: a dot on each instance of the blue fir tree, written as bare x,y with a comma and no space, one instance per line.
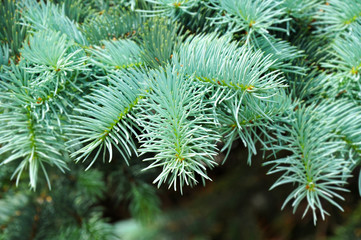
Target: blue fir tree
108,96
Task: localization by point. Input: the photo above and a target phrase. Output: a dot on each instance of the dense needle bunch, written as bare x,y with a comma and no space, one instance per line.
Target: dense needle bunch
174,83
177,122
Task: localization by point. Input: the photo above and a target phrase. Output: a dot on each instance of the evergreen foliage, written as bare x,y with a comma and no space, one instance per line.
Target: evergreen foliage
164,86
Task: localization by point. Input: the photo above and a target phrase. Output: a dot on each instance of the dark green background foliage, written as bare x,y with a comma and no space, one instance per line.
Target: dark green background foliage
103,101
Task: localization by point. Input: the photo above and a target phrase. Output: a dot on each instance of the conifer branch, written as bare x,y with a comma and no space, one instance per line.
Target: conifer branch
176,122
105,119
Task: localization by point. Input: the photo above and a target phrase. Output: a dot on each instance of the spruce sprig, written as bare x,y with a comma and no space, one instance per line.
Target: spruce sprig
23,133
104,118
248,16
176,118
